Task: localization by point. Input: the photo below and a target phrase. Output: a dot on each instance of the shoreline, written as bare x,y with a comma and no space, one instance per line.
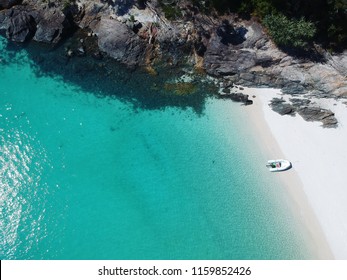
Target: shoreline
289,137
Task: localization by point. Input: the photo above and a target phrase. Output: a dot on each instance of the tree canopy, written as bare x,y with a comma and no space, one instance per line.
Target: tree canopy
304,21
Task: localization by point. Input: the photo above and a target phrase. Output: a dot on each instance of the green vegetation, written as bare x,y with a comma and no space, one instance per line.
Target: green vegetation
295,33
291,23
67,4
132,18
170,9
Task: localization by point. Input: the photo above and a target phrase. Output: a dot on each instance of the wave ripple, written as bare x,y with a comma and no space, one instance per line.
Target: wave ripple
21,195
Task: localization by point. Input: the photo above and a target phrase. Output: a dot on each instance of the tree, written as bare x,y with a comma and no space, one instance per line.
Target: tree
286,32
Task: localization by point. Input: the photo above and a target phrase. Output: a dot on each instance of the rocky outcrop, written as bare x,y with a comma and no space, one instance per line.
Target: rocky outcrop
41,23
304,108
233,50
235,96
89,13
312,114
120,42
19,24
241,52
282,107
51,27
225,54
5,4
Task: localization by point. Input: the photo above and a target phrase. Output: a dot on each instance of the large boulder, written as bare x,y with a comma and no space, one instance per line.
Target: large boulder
224,56
20,25
222,60
280,106
51,27
312,114
120,42
235,96
5,4
89,14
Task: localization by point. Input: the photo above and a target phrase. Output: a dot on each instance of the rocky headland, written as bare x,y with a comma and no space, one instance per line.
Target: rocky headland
228,50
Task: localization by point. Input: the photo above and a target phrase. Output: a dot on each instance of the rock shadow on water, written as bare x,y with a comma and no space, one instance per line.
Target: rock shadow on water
100,75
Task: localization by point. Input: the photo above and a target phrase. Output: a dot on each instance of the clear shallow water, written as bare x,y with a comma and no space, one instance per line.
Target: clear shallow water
83,177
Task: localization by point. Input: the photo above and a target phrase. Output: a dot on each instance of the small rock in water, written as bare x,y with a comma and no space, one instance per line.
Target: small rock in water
81,51
69,53
98,56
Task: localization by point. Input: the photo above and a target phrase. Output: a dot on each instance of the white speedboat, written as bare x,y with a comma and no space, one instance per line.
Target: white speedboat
278,165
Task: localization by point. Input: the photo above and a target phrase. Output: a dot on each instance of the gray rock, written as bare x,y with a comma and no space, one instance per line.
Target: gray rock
293,88
255,37
81,51
284,109
276,100
247,76
280,82
263,80
237,97
5,4
298,102
260,44
327,117
280,106
3,20
120,42
226,90
89,14
223,57
330,122
221,60
264,60
20,25
227,84
51,27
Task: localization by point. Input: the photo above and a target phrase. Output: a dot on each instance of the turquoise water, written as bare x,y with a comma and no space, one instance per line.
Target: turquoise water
85,177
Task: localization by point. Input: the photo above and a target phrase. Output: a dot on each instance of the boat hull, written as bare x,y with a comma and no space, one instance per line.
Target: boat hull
278,165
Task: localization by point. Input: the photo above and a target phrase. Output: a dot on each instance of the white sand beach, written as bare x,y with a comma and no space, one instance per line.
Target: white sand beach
318,180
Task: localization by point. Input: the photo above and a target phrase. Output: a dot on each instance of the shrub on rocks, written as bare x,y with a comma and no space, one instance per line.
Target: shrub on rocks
285,32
